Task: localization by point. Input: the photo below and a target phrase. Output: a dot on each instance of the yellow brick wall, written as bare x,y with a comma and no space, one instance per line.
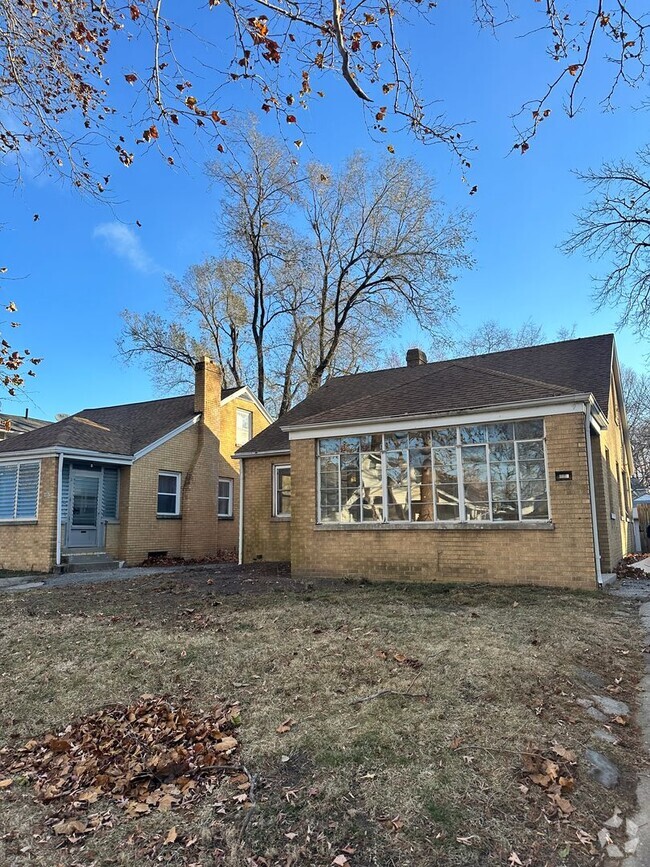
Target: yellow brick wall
32,546
265,537
562,556
615,526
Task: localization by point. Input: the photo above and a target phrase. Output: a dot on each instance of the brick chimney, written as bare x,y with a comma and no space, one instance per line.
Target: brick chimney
415,357
207,391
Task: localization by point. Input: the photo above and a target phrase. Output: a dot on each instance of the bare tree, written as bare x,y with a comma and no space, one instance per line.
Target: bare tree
615,226
491,336
636,391
321,266
63,92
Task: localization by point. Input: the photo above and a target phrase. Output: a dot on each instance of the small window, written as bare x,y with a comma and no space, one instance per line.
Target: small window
169,485
19,486
282,491
244,430
224,498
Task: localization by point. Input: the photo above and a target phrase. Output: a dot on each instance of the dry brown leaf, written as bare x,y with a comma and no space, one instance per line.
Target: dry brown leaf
4,784
171,836
286,726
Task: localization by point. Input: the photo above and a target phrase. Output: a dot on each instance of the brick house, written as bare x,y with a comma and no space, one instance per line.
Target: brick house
512,467
128,481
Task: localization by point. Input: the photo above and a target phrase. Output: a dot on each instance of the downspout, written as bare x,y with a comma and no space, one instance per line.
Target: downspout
59,504
241,512
592,494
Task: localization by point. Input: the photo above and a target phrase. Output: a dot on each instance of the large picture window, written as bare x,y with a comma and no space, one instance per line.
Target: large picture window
19,490
474,473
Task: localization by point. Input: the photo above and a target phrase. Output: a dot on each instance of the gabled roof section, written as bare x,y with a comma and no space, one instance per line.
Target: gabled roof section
119,430
20,424
581,366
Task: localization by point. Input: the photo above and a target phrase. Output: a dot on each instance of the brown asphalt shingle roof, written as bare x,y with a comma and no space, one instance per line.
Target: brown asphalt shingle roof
119,430
581,366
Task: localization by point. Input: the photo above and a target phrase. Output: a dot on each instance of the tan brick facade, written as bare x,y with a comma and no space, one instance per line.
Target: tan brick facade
559,554
265,537
32,545
201,454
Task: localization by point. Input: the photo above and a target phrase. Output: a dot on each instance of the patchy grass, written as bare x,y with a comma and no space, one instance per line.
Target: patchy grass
391,781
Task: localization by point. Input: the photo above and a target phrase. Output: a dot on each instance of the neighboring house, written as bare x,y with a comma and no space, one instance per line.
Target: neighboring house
134,480
510,467
12,425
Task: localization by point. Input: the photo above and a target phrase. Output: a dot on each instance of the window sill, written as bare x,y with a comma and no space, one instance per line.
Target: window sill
451,525
225,517
169,517
14,521
280,518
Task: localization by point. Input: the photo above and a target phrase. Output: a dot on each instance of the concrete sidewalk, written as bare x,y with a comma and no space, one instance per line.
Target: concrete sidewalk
21,583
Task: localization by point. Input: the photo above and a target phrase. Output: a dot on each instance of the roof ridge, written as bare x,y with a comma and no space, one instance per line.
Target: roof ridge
516,377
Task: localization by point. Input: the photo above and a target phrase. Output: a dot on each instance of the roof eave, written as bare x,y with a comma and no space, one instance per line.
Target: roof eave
262,454
399,419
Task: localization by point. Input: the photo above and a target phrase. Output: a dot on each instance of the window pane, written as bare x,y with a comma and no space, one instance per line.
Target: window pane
329,446
397,469
532,470
445,464
502,452
370,442
420,439
398,506
350,445
502,471
500,432
166,504
447,508
396,440
420,466
474,433
372,487
474,464
8,479
530,451
26,501
329,465
504,491
448,512
477,510
244,426
167,484
443,436
505,510
329,514
533,490
534,510
422,503
529,430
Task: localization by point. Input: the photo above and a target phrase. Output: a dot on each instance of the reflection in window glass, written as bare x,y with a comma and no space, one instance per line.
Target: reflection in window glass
491,472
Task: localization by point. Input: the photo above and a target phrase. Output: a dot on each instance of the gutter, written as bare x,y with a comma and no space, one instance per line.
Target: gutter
240,557
268,454
59,504
592,494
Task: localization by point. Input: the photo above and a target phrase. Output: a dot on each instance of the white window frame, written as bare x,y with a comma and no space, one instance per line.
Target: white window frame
22,520
249,416
276,513
177,507
231,495
462,519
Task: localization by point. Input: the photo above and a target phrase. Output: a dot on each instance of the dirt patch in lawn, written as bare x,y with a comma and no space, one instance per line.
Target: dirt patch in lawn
380,724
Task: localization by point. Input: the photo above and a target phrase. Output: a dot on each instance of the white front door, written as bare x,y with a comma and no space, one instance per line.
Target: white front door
84,518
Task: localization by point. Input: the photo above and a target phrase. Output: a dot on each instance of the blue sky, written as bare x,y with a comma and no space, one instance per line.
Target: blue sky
82,262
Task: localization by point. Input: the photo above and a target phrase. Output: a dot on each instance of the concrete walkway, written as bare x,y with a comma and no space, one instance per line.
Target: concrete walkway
22,583
639,590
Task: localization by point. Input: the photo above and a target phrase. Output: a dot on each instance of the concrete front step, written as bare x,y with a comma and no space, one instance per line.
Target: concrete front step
96,561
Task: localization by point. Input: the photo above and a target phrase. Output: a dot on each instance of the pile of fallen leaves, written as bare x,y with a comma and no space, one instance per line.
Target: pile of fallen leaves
554,774
222,556
149,755
625,568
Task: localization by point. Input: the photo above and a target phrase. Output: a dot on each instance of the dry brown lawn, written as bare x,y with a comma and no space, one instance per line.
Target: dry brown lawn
393,781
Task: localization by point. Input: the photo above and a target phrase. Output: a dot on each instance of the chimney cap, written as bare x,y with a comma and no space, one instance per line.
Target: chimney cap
415,357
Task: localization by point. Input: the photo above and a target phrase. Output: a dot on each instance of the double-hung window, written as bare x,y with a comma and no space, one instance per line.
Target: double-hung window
466,473
19,485
225,498
244,427
169,494
282,491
